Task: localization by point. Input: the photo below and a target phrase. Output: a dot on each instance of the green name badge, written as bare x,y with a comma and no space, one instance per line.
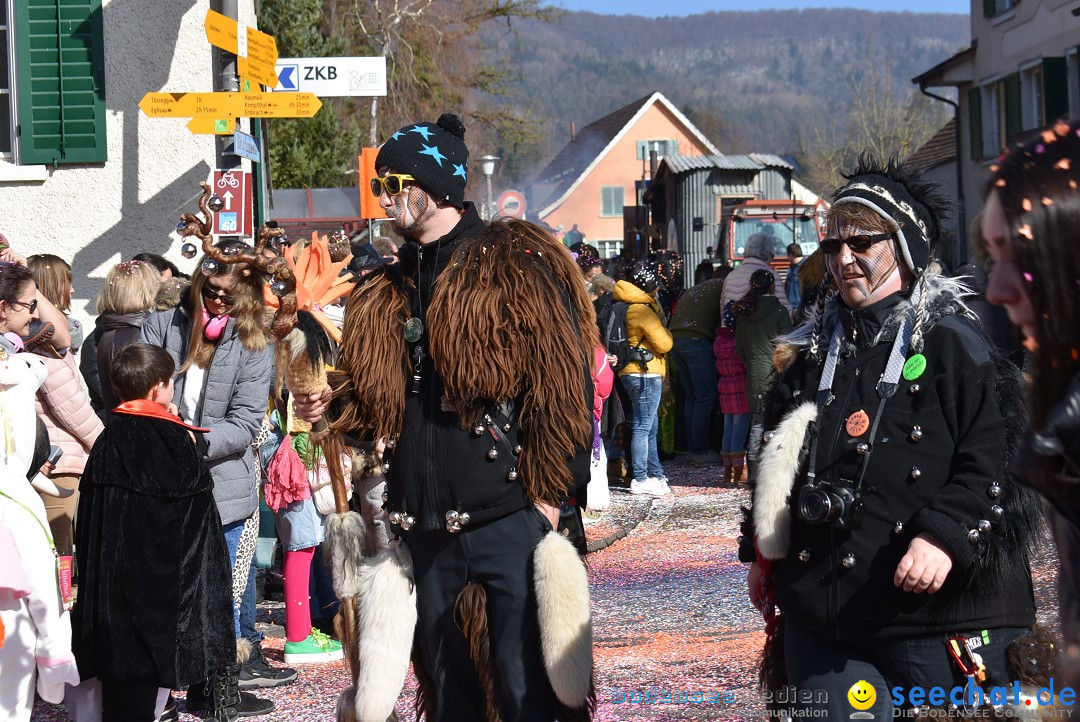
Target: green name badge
914,367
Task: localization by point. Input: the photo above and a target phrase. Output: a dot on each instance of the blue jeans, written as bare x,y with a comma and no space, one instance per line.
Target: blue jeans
232,539
735,428
248,610
695,366
644,392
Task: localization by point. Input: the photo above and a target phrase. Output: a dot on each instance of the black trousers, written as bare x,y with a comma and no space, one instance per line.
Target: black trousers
825,670
498,555
128,702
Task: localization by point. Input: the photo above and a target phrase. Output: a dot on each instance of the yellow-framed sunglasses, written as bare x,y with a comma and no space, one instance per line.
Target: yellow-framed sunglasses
391,184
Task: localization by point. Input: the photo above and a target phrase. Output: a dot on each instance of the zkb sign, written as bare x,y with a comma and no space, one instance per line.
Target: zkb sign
332,77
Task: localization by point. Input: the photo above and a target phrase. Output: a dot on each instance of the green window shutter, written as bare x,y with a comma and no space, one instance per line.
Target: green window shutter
1055,78
611,200
975,113
1013,118
61,81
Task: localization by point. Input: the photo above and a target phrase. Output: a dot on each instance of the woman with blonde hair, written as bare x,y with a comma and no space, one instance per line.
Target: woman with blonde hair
224,364
124,303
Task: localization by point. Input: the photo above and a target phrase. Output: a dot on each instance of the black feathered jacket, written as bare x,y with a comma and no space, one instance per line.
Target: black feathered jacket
155,582
936,466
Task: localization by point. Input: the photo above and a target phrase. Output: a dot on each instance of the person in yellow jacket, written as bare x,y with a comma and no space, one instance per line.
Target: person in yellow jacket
643,378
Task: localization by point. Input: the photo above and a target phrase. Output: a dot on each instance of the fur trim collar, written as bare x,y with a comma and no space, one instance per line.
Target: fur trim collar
942,296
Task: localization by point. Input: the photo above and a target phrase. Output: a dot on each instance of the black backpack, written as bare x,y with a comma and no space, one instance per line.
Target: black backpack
612,323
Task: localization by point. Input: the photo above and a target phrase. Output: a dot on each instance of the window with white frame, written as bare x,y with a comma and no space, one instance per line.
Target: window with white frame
608,249
662,148
1031,92
993,110
611,201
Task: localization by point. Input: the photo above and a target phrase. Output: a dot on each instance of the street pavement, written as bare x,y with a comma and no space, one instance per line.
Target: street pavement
675,637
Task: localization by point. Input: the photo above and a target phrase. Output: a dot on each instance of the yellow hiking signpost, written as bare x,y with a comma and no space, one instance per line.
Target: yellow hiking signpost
255,51
216,113
202,125
230,105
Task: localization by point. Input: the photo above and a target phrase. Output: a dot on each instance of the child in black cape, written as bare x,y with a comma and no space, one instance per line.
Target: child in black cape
154,606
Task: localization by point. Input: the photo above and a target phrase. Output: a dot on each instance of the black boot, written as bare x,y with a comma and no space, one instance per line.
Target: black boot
224,702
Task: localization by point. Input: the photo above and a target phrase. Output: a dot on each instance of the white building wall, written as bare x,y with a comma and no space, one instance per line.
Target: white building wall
96,215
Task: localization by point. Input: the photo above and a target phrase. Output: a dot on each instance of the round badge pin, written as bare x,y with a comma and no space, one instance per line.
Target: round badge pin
857,423
414,328
914,367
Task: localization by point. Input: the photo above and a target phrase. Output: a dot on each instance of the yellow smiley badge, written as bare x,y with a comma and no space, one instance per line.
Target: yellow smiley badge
862,695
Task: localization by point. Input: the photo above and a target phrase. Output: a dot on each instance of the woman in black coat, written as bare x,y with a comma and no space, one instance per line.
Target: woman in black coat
884,525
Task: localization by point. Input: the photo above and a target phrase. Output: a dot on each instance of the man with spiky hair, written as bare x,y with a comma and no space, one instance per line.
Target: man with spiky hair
470,358
883,522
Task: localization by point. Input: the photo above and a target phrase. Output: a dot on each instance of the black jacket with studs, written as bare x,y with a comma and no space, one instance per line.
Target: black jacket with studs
936,466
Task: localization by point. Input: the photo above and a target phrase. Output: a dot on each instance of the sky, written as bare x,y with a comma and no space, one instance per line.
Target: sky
652,8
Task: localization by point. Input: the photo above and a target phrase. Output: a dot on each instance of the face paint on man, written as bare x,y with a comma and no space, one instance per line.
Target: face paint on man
408,210
865,277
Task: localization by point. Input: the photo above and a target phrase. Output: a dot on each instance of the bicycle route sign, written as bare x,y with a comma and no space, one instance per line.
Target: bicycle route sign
234,188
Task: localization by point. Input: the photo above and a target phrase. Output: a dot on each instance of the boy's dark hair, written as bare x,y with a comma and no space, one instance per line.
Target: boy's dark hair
139,368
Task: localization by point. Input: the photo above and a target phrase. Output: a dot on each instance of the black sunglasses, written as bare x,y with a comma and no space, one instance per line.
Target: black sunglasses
31,306
210,293
831,246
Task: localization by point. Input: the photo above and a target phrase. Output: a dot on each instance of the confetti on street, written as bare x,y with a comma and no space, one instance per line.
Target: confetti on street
671,614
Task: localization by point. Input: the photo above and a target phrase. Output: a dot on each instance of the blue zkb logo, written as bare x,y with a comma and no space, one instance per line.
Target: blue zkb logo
288,76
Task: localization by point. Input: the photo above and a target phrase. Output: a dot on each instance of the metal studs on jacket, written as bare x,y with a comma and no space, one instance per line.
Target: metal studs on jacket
402,519
973,536
899,528
456,520
804,555
915,473
848,561
916,434
994,491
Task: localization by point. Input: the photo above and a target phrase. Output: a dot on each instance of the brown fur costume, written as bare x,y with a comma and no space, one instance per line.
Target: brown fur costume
370,384
533,338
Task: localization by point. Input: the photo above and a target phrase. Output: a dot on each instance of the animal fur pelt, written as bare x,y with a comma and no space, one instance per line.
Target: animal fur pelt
371,390
384,629
780,462
942,296
470,613
562,600
346,540
512,303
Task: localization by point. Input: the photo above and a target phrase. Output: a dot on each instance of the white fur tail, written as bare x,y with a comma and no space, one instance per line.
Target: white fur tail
562,600
776,476
386,620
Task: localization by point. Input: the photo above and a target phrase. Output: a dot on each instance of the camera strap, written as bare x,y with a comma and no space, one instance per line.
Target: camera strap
886,385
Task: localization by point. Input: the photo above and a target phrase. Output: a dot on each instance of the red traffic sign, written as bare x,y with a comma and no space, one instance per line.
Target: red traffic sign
511,203
234,188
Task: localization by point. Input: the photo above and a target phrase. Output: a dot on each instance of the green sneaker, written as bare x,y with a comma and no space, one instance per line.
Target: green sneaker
318,647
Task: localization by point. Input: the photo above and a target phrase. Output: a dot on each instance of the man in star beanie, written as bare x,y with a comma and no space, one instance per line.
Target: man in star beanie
488,429
434,154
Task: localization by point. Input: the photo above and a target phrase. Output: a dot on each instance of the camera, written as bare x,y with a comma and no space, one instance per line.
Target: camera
640,355
836,503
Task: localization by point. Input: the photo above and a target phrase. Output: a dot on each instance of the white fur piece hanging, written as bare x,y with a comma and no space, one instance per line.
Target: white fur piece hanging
562,600
776,476
385,622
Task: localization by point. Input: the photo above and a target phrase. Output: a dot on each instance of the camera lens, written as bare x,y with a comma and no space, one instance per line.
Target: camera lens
815,506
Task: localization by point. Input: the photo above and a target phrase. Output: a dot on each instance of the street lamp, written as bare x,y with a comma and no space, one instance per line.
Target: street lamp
487,166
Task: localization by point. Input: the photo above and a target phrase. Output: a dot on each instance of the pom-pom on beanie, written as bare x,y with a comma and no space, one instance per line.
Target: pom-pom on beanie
434,154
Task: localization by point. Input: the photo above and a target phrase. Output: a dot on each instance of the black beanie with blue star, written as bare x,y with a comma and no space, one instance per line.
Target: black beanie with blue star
434,154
